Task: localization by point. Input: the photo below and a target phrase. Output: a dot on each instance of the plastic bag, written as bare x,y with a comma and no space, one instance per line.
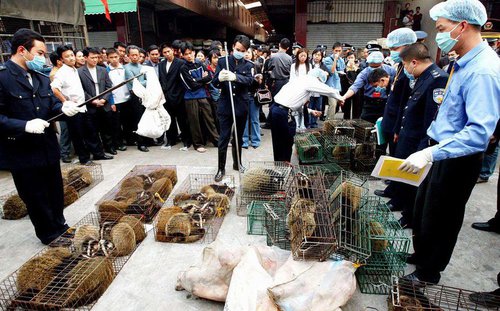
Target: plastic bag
154,122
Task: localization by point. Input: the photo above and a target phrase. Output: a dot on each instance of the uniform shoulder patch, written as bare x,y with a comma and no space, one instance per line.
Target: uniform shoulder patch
438,95
435,73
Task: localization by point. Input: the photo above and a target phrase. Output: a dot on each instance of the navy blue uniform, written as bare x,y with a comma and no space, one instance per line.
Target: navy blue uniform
33,159
417,115
243,70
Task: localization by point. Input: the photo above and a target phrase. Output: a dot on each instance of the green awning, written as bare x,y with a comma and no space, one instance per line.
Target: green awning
115,6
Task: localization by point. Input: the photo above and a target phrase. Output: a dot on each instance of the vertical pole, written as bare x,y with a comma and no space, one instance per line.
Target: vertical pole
139,22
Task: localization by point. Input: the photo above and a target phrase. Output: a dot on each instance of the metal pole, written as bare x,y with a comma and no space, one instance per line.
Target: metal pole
234,115
139,22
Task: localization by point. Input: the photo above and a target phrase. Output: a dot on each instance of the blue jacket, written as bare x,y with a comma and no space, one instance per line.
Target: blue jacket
241,86
192,78
333,76
19,103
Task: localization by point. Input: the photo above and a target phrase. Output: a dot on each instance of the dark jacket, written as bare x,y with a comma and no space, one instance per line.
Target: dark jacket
19,103
240,87
420,110
88,85
193,80
396,100
171,82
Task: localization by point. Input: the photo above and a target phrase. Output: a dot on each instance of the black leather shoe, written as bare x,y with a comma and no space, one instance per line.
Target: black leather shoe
122,148
416,280
485,226
112,151
143,148
103,157
411,259
393,208
487,299
66,159
220,174
381,193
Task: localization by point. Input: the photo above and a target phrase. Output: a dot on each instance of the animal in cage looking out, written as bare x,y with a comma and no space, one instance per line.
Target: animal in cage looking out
263,180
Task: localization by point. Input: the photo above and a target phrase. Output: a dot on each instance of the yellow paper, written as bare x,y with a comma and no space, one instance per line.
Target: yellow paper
390,169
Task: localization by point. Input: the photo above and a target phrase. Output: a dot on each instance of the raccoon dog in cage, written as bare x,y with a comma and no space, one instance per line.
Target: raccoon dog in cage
260,180
78,177
14,208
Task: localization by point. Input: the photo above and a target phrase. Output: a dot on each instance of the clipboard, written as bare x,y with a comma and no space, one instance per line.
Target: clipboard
387,168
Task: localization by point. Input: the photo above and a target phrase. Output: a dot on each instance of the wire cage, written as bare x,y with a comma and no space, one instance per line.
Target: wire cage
141,192
416,296
331,171
256,217
338,149
195,211
338,127
310,218
363,130
79,179
309,150
345,197
264,181
61,277
275,225
12,206
364,159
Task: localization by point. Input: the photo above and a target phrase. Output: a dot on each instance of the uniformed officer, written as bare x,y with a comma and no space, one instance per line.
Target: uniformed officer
28,146
458,135
240,76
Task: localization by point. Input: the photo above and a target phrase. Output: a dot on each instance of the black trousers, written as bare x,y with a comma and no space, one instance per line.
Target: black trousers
137,109
283,130
126,122
199,113
41,189
439,211
84,136
276,87
226,128
178,116
108,125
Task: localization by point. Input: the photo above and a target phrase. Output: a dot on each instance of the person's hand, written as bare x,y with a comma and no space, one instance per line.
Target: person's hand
36,126
113,108
337,56
396,138
204,74
417,161
259,78
316,113
226,75
70,108
493,139
341,101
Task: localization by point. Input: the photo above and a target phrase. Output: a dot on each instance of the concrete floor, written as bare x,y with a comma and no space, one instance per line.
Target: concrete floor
147,281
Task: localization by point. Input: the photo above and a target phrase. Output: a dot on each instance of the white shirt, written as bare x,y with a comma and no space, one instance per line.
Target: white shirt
117,76
296,93
68,82
168,65
299,73
93,74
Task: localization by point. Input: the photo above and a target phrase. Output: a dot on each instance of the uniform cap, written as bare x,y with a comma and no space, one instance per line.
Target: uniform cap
421,34
373,47
375,58
471,11
400,37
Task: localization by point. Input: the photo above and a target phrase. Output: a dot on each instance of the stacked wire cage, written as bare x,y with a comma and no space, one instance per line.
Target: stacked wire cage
389,248
310,217
338,127
345,197
364,155
331,171
418,296
275,224
338,149
263,181
309,149
363,130
76,269
141,192
195,211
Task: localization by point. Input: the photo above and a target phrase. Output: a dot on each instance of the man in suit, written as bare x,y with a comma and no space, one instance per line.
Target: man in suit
28,146
239,74
154,58
95,80
171,83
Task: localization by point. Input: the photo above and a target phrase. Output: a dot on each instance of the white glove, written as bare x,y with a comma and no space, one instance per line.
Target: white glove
70,108
226,75
417,161
36,126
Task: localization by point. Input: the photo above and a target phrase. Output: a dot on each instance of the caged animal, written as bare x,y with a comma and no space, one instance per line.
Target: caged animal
14,208
263,180
78,177
70,195
163,217
406,303
341,153
300,219
220,202
83,234
351,194
376,230
179,229
112,210
162,187
165,173
38,272
123,238
137,225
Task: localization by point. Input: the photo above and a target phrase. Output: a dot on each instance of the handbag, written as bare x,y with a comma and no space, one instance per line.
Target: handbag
264,96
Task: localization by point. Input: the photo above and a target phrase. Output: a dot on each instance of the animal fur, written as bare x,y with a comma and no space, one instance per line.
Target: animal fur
135,182
14,208
407,304
301,220
163,187
78,177
221,203
70,195
351,195
377,230
178,225
341,153
262,180
123,237
84,233
163,218
165,172
311,152
208,190
112,210
89,279
38,272
136,225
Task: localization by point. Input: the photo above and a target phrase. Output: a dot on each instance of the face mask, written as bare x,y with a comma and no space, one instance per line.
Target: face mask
451,59
36,64
395,56
238,54
379,89
444,40
409,75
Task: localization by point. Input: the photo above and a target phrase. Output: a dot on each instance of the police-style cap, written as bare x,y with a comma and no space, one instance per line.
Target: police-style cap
373,47
297,45
347,46
375,58
491,40
400,37
421,34
472,11
321,46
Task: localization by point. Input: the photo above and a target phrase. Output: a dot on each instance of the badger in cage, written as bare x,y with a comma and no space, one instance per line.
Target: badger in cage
14,208
77,177
263,180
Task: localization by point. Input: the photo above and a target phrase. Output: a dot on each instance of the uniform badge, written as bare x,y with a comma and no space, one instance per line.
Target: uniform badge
438,95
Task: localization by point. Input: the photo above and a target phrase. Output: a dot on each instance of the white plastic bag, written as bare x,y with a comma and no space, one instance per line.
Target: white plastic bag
154,122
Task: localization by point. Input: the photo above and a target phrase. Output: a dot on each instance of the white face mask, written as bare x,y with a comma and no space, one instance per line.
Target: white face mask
237,54
444,40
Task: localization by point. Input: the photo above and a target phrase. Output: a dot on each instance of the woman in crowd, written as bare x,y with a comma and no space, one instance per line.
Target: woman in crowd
353,104
316,100
300,68
200,56
80,60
